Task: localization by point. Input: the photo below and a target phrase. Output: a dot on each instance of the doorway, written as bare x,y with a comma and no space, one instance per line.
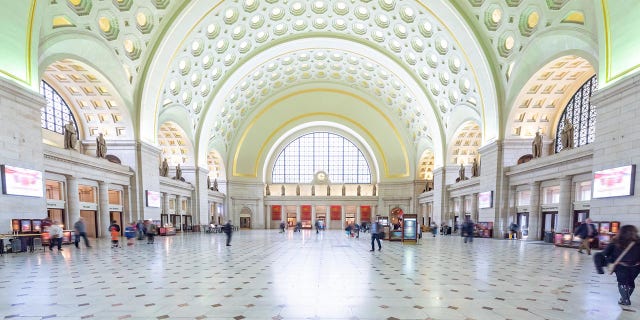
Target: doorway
245,222
188,223
176,221
57,215
523,222
90,222
550,221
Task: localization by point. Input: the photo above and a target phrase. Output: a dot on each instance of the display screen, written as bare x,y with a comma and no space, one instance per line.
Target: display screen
21,182
25,225
37,225
153,199
614,182
409,229
485,199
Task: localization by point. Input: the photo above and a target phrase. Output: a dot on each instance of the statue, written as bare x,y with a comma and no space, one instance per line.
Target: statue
208,182
70,136
566,136
215,184
537,146
101,146
178,173
344,190
313,190
297,190
164,168
282,190
268,191
358,190
461,173
374,190
328,190
474,168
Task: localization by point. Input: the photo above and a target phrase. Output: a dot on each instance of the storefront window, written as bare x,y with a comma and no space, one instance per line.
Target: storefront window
114,197
54,190
583,191
87,194
523,198
551,195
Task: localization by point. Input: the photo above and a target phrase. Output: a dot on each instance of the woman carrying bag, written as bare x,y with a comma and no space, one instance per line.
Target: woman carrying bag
625,251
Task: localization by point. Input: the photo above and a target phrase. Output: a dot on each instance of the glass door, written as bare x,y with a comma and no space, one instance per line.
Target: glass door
523,222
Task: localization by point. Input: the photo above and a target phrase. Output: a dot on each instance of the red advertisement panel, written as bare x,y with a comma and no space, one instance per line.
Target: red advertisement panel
365,213
276,213
305,212
336,212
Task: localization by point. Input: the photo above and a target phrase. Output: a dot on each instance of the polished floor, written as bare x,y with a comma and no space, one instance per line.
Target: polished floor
269,275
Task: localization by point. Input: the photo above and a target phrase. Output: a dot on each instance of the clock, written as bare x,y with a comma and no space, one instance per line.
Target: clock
321,176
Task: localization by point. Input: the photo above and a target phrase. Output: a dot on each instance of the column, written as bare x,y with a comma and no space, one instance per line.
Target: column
358,214
269,217
178,212
126,205
199,210
534,211
565,205
103,209
165,203
297,213
73,201
343,217
439,196
313,215
474,207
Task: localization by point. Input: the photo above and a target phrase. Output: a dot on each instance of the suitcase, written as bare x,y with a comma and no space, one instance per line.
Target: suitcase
37,244
16,245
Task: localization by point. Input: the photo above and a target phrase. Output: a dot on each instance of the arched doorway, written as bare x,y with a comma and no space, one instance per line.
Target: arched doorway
245,218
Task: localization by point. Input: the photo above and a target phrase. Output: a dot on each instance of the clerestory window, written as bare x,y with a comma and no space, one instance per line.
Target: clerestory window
56,113
339,158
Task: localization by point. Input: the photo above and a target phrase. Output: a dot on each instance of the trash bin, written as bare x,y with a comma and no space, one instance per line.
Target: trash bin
548,237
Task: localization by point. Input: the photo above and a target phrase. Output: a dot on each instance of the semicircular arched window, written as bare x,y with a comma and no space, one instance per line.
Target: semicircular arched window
56,113
333,154
581,114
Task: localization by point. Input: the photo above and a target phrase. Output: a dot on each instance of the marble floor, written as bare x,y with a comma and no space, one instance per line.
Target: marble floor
269,275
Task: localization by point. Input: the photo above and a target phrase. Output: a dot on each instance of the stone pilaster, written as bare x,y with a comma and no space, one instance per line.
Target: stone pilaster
200,209
148,178
565,207
103,209
72,201
534,212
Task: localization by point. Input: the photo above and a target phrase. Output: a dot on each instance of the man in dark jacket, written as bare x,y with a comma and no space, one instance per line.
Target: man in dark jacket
228,230
586,231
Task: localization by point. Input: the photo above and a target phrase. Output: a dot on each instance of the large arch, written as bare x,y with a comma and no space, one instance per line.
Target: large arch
478,89
544,96
97,105
320,104
86,48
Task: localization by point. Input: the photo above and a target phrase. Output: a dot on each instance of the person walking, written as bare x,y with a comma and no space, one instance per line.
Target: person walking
317,226
586,231
434,228
467,230
55,236
140,229
228,230
628,267
282,226
375,235
80,231
151,230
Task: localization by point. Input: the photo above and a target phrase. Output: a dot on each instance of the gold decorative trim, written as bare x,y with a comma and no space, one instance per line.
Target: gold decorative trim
607,37
274,132
27,80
